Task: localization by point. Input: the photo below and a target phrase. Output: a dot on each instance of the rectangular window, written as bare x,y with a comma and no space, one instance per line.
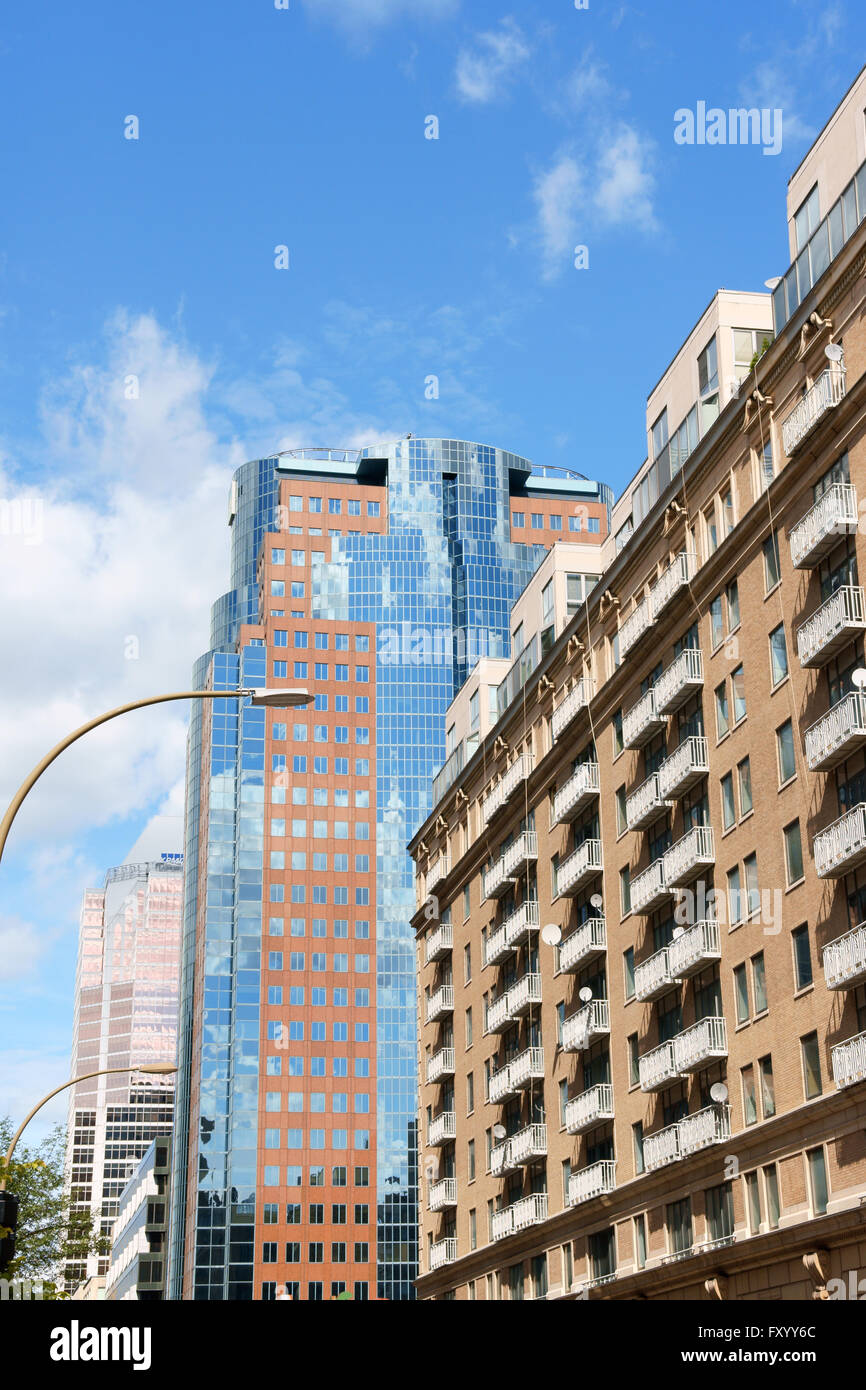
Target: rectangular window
802,957
738,691
818,1186
772,567
771,1188
768,1089
785,750
750,1096
722,716
744,779
811,1060
729,810
759,983
778,655
741,993
793,852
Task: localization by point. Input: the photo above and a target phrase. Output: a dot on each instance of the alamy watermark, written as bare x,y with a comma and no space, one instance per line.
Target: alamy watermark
738,125
700,904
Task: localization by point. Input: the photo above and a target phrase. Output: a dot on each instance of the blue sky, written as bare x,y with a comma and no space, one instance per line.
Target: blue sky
409,257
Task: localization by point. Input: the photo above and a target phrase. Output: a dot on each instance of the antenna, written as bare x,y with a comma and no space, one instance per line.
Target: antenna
499,1131
551,935
834,352
858,677
585,994
597,901
773,282
719,1093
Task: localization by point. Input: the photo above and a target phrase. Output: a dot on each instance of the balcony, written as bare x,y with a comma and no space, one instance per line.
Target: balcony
525,1147
576,700
577,793
590,1182
649,890
439,869
644,805
513,1003
842,846
441,1003
676,577
657,1068
496,947
642,722
520,926
442,1194
589,1023
849,1061
692,1133
523,851
591,1108
528,1211
692,852
845,959
695,947
700,1044
527,1067
439,942
827,392
837,734
654,977
661,1148
498,1017
636,625
833,515
679,681
578,868
440,1064
498,1155
443,1129
500,1085
514,777
444,1252
685,766
585,944
832,626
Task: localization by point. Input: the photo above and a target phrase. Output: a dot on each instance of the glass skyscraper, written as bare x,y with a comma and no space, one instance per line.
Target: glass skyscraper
375,579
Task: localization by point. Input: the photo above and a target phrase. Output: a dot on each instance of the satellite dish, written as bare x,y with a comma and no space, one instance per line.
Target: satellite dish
834,352
586,994
551,935
499,1131
773,281
678,931
719,1092
597,901
858,677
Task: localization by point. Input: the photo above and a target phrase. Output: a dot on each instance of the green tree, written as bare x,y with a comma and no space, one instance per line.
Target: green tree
50,1230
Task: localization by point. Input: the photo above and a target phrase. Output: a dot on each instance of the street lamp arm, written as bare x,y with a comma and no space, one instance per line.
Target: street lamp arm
28,783
88,1076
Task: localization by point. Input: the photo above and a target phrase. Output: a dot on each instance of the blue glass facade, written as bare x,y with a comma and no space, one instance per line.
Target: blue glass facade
438,587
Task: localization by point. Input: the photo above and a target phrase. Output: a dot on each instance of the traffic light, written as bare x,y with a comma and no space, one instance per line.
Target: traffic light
8,1227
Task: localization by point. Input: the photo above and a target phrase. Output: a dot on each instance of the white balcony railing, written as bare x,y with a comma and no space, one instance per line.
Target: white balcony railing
712,1125
676,577
849,1061
503,1223
444,1252
498,1017
520,926
523,851
837,734
438,943
576,700
496,946
584,1026
591,1108
579,790
827,392
513,777
679,681
528,1211
500,1085
583,864
527,1067
641,722
661,1148
636,624
529,1144
498,1155
648,889
657,1067
684,768
696,1046
831,626
593,1181
842,846
588,941
523,994
443,1128
689,854
439,869
833,515
645,804
442,1194
440,1003
845,959
440,1064
654,977
695,947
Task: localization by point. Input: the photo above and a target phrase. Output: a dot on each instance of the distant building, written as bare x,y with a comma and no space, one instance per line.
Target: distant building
137,1266
126,1004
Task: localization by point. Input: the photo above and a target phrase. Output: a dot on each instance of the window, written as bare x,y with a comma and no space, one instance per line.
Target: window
806,218
818,1180
717,631
637,1144
759,983
628,970
711,530
793,852
753,892
771,1187
753,1203
719,1205
729,810
537,521
518,520
732,594
741,993
738,691
633,1060
722,715
744,779
778,655
640,1246
802,957
785,750
768,1088
708,384
621,819
811,1059
618,744
625,898
750,1097
679,1224
772,568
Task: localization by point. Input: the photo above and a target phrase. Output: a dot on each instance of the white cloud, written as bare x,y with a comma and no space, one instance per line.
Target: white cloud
365,14
484,72
770,87
558,195
21,948
625,182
